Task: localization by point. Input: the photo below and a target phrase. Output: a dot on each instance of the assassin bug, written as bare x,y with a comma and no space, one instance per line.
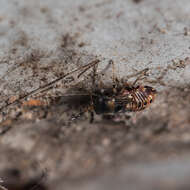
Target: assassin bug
121,97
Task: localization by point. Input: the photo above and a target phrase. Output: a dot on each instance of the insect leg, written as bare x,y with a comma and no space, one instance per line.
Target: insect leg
94,74
50,84
87,67
139,78
91,117
75,117
99,75
142,76
142,72
114,78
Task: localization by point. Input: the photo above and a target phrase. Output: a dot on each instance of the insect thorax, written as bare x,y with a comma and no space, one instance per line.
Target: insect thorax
106,102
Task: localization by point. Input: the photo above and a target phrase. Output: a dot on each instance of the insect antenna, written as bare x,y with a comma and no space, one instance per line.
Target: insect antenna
49,85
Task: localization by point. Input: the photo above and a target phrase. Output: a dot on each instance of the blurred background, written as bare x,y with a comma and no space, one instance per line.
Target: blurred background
42,146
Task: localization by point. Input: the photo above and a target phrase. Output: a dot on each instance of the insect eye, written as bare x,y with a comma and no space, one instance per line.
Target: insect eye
145,103
150,100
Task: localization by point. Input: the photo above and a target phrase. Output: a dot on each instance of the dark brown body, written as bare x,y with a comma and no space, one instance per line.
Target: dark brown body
123,99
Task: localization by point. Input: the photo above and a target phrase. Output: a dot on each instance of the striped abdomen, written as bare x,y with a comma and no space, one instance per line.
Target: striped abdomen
141,97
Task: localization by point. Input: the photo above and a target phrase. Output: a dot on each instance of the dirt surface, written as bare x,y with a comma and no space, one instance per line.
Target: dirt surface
44,143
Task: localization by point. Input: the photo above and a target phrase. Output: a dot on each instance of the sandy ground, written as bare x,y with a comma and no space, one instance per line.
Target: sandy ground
43,147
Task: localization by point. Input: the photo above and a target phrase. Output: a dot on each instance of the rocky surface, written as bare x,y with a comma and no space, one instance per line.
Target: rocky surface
43,144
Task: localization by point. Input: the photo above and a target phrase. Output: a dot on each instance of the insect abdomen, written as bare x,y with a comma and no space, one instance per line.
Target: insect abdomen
139,102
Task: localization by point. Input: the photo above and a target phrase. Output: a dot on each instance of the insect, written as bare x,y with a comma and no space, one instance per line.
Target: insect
121,97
